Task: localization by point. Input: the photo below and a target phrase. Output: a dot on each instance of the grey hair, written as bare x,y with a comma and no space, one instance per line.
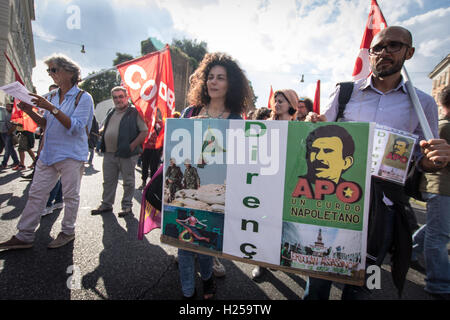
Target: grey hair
119,88
67,64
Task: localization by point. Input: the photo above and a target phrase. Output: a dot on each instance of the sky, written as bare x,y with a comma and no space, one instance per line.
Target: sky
274,41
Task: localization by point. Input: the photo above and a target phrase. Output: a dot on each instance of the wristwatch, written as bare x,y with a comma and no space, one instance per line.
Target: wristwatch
55,111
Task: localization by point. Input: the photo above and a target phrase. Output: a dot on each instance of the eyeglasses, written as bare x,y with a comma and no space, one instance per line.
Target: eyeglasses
52,70
391,47
118,97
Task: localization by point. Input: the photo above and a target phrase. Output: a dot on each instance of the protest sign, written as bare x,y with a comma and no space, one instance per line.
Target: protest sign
392,153
289,195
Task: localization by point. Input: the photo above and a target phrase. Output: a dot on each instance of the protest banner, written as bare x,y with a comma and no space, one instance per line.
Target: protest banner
150,85
292,196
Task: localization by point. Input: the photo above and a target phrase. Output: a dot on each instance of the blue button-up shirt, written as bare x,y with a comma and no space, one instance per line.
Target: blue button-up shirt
393,108
61,143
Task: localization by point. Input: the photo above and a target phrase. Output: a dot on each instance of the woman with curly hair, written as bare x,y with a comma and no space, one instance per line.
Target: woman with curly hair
219,89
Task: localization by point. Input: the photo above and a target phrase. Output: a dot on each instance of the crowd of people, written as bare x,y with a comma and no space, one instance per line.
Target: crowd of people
220,89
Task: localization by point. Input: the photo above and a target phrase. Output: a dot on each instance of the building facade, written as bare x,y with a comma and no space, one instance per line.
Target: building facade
441,77
16,40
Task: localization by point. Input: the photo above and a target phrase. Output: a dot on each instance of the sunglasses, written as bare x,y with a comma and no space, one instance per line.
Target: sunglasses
118,97
52,70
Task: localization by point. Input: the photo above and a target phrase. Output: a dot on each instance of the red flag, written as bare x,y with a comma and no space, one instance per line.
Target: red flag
150,85
316,106
269,105
375,23
20,117
17,115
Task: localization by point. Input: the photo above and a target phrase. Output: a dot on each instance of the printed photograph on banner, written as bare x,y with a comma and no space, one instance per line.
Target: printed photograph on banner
322,249
191,226
195,164
326,172
397,153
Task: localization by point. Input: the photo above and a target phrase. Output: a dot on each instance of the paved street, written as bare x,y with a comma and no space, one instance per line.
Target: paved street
114,264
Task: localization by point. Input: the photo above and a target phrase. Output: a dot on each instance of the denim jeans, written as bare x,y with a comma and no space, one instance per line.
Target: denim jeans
91,155
432,240
9,149
55,194
186,267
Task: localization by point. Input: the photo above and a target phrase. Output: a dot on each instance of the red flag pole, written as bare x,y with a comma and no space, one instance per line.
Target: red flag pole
269,104
316,106
18,78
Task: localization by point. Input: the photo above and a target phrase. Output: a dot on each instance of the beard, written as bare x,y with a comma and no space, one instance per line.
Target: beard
394,68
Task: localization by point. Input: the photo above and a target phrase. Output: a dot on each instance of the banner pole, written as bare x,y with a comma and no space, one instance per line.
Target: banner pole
115,67
417,106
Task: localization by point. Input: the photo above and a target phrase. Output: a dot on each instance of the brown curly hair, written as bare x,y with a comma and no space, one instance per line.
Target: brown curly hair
239,95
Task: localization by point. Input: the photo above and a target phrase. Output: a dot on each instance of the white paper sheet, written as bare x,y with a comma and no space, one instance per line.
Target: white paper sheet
17,90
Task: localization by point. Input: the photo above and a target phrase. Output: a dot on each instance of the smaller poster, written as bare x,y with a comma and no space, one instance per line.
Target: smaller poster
392,153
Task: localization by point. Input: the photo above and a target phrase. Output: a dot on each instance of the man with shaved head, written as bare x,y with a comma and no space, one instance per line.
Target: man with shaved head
383,98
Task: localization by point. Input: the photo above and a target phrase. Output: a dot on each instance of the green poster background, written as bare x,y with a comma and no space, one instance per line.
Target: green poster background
330,211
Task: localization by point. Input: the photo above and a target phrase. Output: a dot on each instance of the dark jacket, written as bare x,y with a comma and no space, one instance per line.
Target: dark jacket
401,246
128,131
93,134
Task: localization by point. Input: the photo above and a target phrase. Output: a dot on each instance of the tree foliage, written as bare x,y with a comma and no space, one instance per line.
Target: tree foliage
100,86
255,97
192,48
147,46
122,57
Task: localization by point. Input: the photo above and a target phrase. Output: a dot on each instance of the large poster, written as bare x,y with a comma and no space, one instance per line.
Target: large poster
288,195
